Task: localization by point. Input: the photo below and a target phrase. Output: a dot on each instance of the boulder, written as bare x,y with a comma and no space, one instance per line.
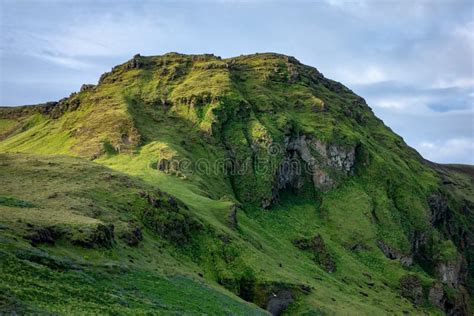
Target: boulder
134,63
436,295
278,302
387,250
317,246
100,236
40,235
340,158
132,235
87,87
410,286
390,252
450,272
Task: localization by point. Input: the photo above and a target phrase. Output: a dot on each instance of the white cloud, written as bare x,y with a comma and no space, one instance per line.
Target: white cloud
373,74
454,83
448,151
52,48
108,36
92,36
394,104
345,4
73,44
368,75
465,31
403,103
69,62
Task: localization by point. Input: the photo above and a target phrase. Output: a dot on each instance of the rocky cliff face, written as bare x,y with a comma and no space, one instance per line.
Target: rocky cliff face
305,156
450,272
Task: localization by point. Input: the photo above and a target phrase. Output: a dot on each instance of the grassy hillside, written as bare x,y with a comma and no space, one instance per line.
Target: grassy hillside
54,258
226,186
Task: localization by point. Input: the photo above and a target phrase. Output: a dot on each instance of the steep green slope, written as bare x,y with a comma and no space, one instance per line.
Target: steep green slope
281,187
81,238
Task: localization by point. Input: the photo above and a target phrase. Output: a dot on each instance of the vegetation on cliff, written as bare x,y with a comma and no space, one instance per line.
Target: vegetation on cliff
232,185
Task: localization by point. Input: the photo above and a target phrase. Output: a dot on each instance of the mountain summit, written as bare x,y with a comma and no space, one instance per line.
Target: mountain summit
233,185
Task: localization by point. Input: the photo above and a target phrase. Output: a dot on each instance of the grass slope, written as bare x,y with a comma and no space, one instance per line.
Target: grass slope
72,195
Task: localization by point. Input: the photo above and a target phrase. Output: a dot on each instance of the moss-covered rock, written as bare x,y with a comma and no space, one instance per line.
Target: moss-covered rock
131,234
319,251
411,288
100,235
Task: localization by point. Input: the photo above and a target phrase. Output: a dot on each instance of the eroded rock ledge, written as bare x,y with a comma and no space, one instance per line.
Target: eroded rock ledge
325,164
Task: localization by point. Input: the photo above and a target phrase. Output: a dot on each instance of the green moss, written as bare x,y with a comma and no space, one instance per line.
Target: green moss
446,251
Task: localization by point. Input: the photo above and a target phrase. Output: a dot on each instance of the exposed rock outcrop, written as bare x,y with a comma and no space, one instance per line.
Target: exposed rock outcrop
405,259
387,250
439,209
278,302
168,217
418,240
457,305
40,235
320,156
452,268
232,217
134,63
319,250
87,87
132,235
102,235
410,287
452,303
450,272
436,295
174,224
307,156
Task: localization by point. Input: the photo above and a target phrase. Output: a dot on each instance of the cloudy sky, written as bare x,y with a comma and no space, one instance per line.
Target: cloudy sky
411,60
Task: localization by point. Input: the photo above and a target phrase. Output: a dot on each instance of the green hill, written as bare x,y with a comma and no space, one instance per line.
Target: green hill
192,184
